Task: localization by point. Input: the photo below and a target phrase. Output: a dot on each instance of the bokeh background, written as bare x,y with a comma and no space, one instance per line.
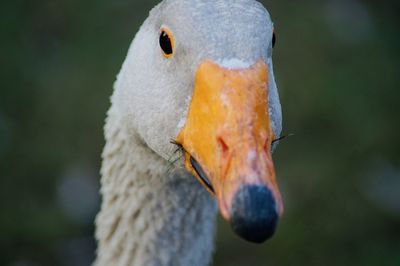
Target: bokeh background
337,67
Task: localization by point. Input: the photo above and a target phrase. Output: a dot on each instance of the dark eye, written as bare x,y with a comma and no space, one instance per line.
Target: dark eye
273,40
166,43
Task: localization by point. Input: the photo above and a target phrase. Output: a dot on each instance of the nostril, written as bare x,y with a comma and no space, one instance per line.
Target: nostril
268,145
225,156
224,147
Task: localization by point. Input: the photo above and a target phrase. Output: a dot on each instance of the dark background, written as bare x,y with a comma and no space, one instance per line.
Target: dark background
337,67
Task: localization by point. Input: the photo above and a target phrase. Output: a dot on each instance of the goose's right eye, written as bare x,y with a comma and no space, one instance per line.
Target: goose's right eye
166,43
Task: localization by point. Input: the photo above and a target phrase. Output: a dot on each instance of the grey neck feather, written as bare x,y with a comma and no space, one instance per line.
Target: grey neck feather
149,215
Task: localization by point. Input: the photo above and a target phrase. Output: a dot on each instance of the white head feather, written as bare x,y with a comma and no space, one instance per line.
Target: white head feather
152,92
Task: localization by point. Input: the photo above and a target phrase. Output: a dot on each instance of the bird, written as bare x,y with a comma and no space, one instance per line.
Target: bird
195,116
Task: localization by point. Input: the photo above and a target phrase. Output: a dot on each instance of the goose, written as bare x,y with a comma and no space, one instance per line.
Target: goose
194,117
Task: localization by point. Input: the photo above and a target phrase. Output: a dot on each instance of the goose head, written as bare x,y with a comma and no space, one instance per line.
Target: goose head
200,72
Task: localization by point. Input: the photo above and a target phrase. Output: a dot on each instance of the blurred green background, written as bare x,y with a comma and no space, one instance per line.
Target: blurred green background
337,68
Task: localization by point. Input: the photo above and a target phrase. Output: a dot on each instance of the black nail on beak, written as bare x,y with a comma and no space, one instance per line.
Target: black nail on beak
254,215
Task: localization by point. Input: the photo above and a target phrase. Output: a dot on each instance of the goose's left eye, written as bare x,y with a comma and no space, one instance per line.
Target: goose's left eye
273,40
166,43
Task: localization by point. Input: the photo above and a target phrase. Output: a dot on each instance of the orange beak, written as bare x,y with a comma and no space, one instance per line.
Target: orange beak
227,141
